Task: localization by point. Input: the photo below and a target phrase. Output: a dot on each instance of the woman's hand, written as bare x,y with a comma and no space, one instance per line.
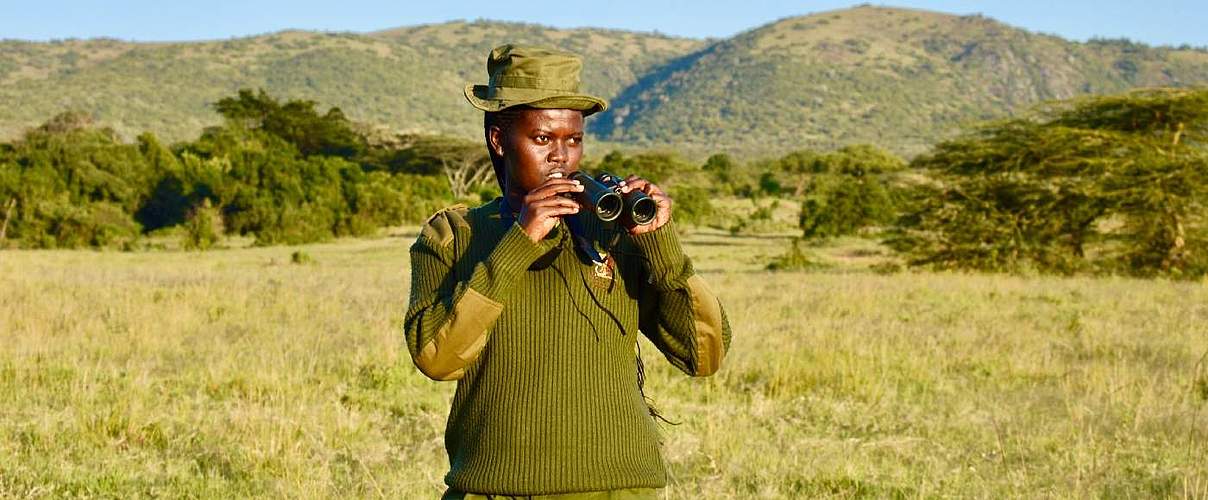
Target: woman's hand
662,214
544,206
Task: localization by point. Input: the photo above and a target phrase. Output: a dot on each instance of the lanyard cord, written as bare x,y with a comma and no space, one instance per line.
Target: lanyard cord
585,246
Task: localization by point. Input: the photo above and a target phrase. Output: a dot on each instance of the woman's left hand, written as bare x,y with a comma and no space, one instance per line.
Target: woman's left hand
662,214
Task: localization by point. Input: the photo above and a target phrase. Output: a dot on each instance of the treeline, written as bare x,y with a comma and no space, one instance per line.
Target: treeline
279,172
1111,184
1103,185
282,172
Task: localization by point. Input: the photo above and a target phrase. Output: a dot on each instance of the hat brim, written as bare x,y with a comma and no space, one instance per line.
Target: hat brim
537,98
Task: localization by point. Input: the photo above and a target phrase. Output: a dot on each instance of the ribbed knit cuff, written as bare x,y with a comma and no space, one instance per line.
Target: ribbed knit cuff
513,255
662,248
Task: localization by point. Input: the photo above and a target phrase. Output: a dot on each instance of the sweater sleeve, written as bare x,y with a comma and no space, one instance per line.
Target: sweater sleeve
449,318
677,311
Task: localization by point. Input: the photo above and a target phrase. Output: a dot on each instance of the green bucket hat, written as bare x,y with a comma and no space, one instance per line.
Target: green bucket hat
532,76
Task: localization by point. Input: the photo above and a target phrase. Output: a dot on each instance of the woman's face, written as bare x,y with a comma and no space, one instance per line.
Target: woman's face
537,144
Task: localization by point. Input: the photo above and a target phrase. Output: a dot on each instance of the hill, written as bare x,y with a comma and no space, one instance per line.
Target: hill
896,77
408,78
900,78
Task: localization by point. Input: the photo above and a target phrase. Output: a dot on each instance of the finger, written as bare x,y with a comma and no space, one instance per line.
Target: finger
558,180
633,182
645,186
551,182
556,201
545,211
553,187
555,182
652,189
555,211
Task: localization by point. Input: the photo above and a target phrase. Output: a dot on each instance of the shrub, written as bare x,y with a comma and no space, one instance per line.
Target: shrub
838,205
793,259
203,227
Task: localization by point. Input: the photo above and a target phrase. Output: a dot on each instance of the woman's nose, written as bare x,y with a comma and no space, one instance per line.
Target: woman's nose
558,153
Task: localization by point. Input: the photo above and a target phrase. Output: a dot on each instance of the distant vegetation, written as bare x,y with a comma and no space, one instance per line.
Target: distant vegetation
899,78
1117,183
281,172
1112,184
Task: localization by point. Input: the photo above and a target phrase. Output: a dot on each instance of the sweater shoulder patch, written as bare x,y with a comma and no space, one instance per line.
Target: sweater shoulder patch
441,226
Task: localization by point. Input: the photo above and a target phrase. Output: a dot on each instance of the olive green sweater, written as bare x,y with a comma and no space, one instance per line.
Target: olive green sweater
542,343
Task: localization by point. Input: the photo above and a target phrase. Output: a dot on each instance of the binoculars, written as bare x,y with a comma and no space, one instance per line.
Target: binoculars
602,194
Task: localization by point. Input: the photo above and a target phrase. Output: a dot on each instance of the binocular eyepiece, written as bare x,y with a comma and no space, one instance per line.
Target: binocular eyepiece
604,197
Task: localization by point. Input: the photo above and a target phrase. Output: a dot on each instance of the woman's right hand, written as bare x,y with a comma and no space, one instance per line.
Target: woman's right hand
544,206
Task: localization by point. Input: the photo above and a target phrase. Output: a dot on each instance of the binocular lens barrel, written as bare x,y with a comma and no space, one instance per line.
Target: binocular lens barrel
605,202
603,195
640,209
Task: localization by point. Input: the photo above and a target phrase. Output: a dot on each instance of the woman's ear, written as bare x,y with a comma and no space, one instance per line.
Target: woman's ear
495,140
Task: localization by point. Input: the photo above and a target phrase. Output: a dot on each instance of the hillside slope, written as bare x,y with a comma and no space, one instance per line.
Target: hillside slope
896,77
408,78
900,78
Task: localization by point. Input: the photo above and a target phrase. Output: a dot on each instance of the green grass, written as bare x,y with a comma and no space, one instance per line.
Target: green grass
238,373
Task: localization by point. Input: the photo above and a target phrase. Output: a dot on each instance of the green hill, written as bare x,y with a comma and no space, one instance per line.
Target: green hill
409,79
895,77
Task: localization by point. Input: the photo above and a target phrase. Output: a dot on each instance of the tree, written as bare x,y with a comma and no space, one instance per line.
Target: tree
295,121
722,170
798,166
1113,183
8,216
465,164
838,205
281,172
845,190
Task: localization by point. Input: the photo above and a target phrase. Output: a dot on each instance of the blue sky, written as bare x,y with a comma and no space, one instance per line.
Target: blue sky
1158,22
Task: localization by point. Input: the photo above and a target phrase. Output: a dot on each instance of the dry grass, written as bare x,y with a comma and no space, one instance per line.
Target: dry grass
239,374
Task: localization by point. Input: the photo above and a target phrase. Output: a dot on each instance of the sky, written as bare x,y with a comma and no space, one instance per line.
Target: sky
1156,22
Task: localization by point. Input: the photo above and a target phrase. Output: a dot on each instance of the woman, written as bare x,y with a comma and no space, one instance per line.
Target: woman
534,308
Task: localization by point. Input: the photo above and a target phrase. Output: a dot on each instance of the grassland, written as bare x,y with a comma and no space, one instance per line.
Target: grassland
238,373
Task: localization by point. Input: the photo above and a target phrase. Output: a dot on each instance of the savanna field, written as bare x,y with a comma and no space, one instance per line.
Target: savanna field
258,372
204,260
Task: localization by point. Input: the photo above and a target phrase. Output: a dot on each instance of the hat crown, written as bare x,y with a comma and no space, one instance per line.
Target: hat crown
536,77
532,68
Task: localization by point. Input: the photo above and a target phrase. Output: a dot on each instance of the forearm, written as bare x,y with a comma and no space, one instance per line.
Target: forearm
680,314
449,319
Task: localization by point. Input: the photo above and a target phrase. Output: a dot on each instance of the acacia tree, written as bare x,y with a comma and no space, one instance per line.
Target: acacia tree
1159,190
1112,183
465,164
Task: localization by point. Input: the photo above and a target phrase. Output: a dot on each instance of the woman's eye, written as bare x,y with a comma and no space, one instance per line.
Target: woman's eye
576,140
542,139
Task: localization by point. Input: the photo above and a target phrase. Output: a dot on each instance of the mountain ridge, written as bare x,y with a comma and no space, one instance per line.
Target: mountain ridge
896,77
900,78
